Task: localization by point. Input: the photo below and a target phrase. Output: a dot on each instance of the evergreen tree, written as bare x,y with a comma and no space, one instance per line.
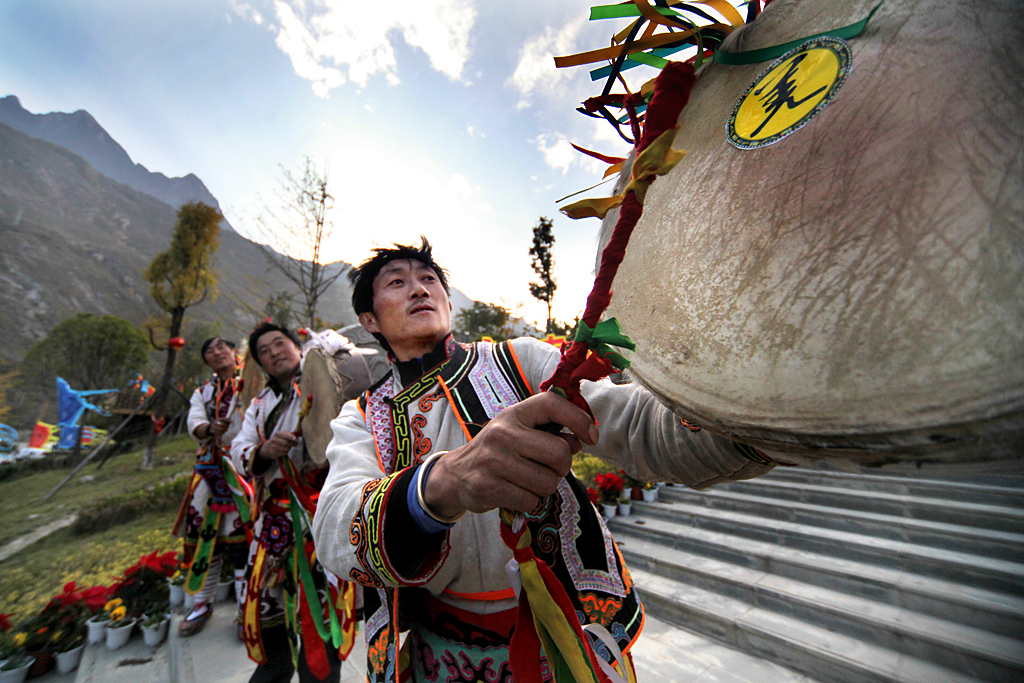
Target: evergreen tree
180,278
543,263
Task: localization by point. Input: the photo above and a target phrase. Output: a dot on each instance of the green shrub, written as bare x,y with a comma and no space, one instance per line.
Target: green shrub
125,508
23,468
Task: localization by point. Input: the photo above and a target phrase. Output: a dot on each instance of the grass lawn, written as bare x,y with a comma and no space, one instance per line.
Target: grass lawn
21,508
30,578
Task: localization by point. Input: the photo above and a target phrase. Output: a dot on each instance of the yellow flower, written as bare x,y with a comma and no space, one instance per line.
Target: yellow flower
19,639
119,613
112,605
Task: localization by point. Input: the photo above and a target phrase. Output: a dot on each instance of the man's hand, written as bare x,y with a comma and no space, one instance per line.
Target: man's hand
510,463
218,427
278,445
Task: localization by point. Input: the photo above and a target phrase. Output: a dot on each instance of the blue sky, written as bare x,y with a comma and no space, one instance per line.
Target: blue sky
441,117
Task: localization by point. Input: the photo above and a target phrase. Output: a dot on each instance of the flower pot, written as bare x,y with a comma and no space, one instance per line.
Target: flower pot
224,590
43,663
155,634
190,602
177,594
627,493
68,661
625,507
662,484
650,495
97,629
608,510
16,675
117,636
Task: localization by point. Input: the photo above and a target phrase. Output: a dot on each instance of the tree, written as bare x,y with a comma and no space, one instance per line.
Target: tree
490,320
279,309
300,228
180,278
7,380
543,263
90,351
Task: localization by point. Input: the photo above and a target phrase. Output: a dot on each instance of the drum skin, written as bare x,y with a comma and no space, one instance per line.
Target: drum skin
856,290
331,381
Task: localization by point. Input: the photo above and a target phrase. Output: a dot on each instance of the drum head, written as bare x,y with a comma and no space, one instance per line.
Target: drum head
331,381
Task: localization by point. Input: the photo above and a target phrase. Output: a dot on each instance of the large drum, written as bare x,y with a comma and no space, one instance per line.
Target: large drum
855,289
331,381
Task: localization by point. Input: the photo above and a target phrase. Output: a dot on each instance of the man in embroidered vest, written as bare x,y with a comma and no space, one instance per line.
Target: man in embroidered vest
209,518
420,465
290,599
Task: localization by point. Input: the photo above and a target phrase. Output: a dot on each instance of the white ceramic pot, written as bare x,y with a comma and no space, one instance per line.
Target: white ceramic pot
662,484
69,661
608,511
627,493
190,602
177,594
224,590
625,508
16,675
650,495
154,635
97,629
117,636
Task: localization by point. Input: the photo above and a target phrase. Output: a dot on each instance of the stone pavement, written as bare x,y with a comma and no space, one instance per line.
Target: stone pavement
664,654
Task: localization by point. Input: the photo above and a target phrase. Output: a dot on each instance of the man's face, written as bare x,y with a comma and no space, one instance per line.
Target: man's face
219,356
278,355
410,308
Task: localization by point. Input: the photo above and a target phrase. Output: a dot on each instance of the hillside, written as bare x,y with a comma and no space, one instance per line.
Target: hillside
73,240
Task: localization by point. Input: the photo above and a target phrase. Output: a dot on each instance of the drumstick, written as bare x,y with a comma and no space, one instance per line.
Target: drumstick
303,411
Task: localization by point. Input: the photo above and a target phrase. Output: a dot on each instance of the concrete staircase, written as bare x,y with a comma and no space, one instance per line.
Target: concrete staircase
846,578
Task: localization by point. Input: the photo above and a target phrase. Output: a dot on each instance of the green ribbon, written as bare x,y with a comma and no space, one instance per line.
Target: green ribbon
766,53
602,338
309,587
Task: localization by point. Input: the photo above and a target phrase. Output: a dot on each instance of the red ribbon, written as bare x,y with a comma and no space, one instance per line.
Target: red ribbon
671,93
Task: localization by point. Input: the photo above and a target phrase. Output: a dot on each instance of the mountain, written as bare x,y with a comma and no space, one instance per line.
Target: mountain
80,133
73,240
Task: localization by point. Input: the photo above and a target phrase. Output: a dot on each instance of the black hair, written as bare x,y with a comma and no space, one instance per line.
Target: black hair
209,342
262,329
362,276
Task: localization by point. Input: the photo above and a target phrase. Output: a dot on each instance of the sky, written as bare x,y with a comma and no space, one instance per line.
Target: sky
445,118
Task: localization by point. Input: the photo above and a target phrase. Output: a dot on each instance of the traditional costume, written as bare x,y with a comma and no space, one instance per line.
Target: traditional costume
213,513
289,595
451,589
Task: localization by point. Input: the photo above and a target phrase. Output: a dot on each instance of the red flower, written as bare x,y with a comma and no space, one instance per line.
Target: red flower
5,622
594,495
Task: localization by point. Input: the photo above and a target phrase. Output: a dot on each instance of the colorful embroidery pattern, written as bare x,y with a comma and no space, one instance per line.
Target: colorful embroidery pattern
357,537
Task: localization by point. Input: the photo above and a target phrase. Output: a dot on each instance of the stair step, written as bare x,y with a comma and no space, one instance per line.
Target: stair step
816,651
964,568
1008,495
999,544
995,517
998,612
955,644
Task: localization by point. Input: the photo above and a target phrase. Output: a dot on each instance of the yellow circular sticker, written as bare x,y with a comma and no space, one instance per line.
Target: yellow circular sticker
789,93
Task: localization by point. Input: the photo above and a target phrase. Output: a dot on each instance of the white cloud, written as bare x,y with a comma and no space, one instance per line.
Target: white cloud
558,153
331,42
536,69
246,11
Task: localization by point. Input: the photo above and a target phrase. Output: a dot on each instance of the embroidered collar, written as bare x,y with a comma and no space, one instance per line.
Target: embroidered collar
273,385
411,370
